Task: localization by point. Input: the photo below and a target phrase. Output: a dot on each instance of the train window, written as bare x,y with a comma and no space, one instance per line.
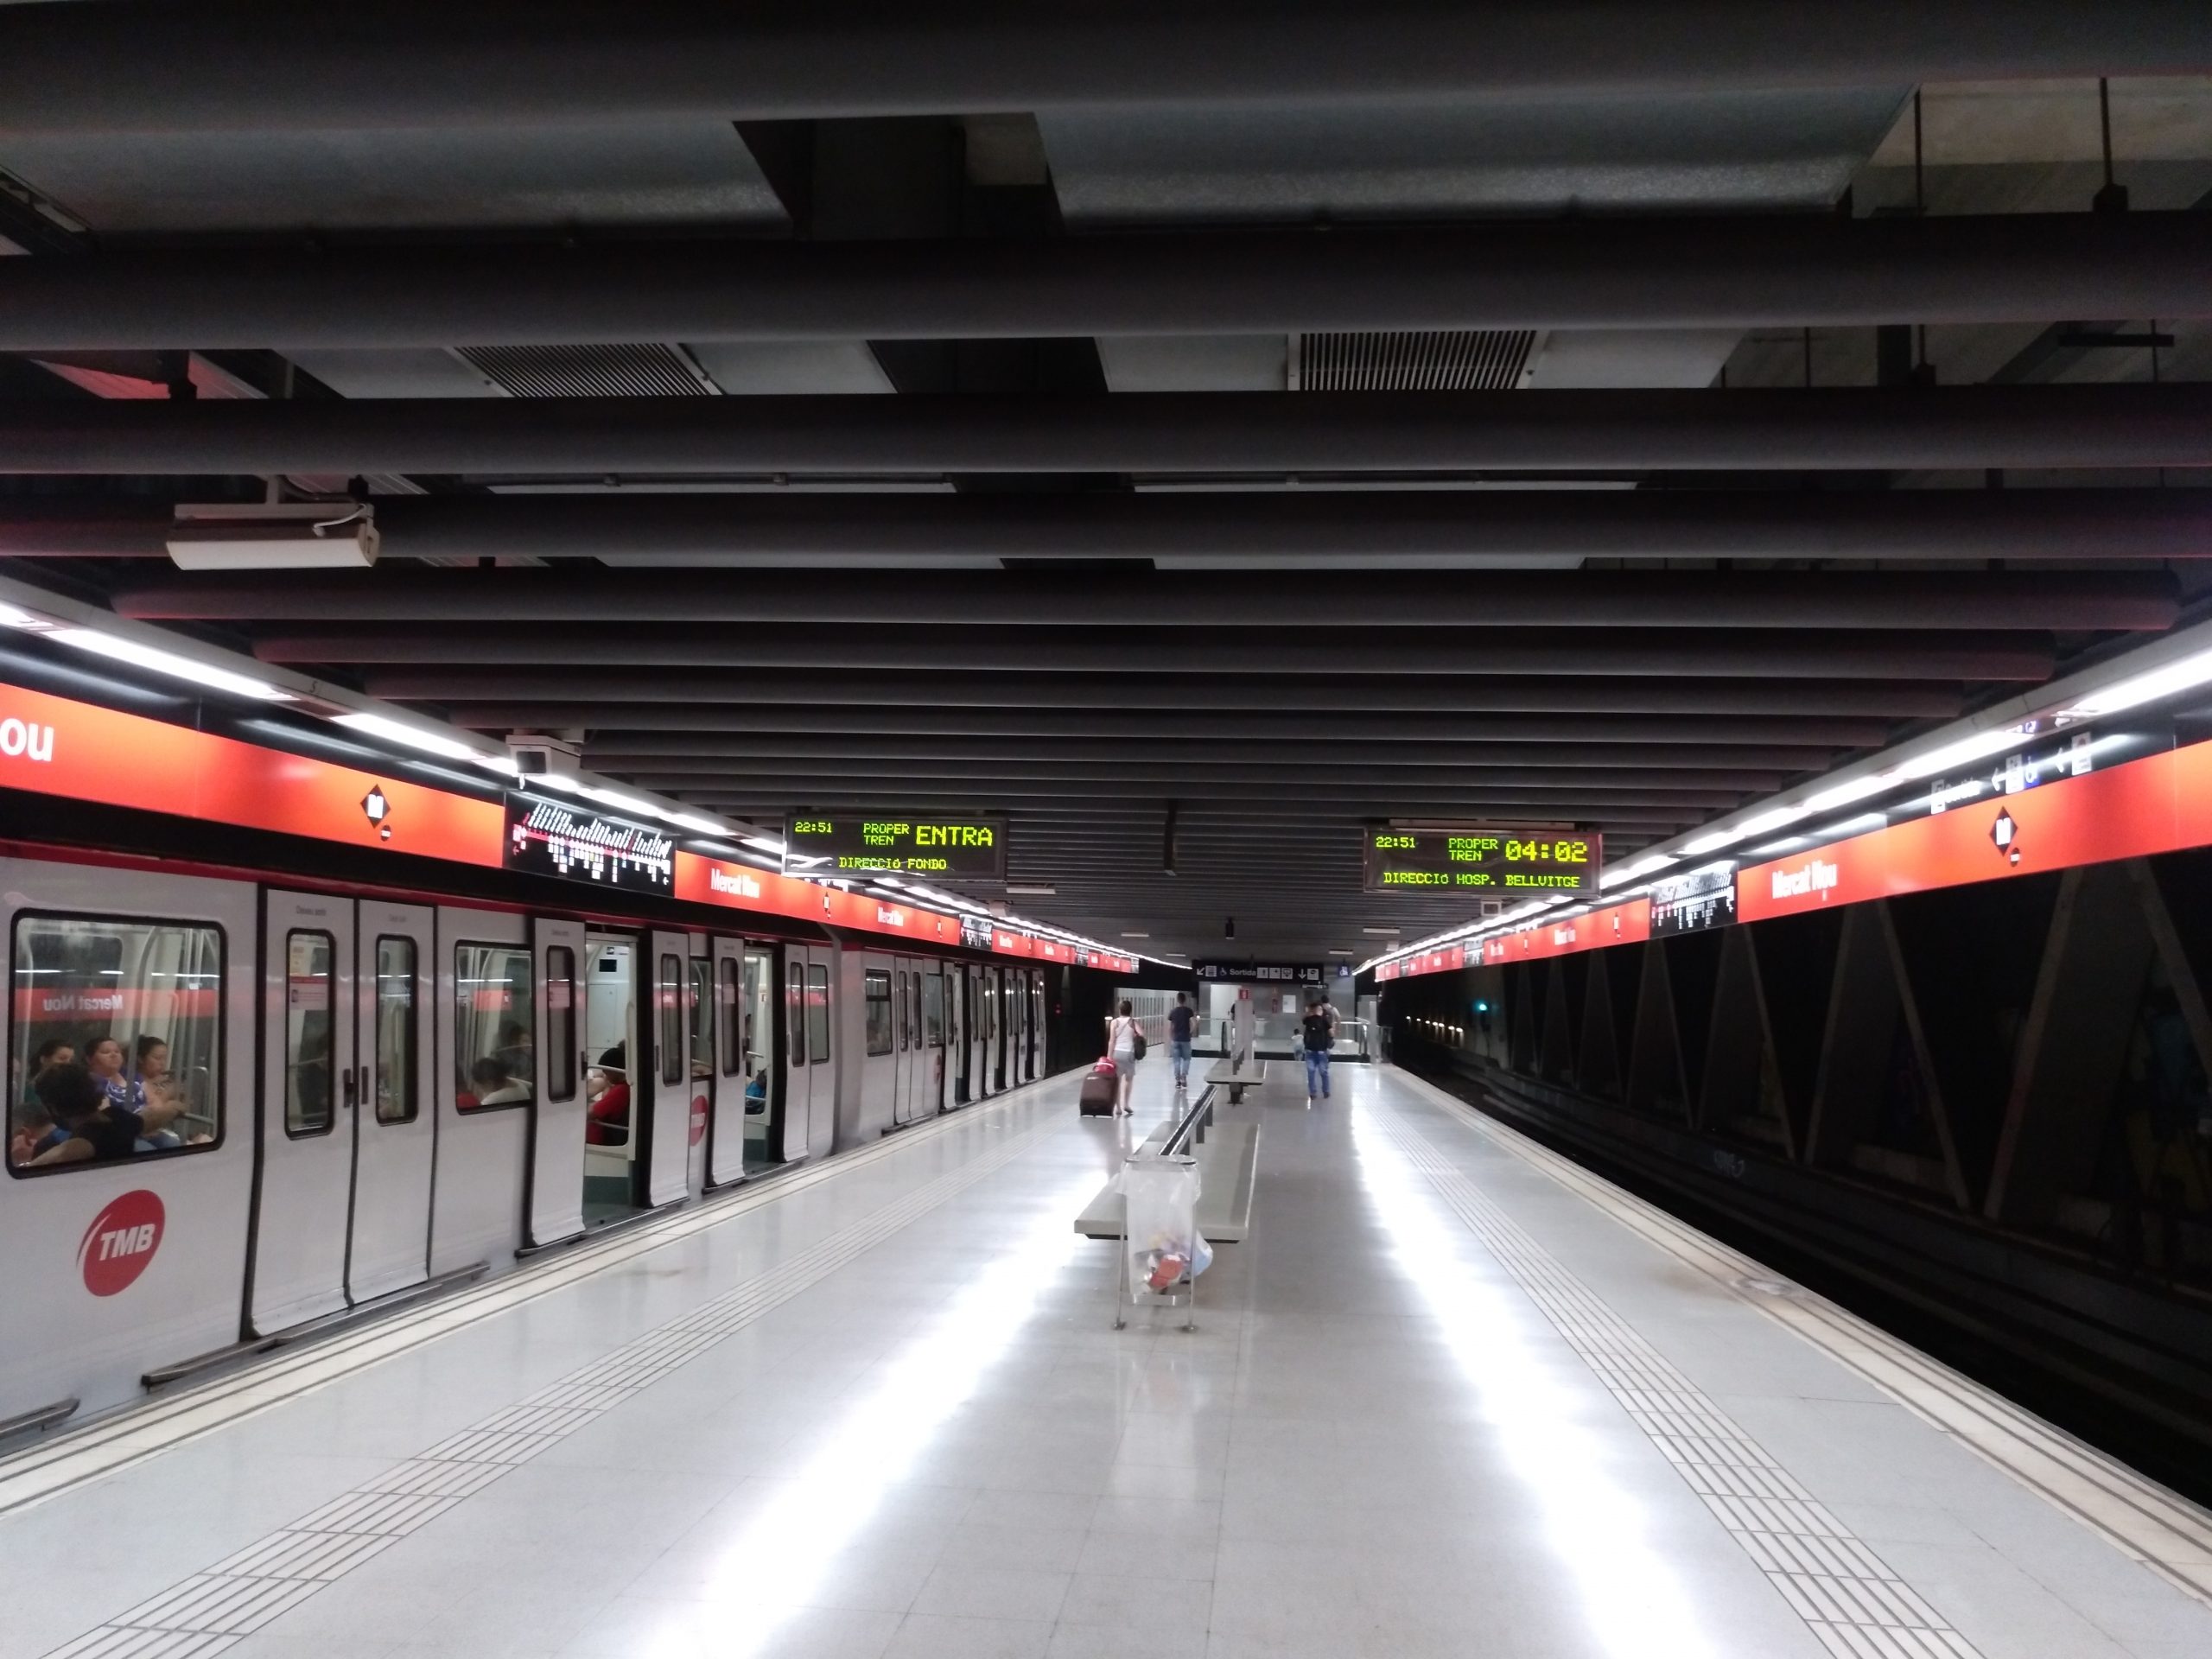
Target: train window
906,1023
934,1010
396,1073
308,1082
140,1005
817,1015
877,985
795,1007
560,1022
729,1014
702,1029
669,1001
914,1009
495,1050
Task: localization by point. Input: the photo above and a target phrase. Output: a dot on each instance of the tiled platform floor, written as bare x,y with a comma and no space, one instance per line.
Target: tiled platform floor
1436,1404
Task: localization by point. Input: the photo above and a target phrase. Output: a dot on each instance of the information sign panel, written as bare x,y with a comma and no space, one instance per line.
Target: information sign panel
1686,904
550,838
938,848
1478,858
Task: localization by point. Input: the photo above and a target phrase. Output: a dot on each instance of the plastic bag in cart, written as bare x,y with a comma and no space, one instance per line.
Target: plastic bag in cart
1161,1195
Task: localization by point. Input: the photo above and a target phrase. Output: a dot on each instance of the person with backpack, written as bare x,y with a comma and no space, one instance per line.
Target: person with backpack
1320,1036
1125,1045
1182,1025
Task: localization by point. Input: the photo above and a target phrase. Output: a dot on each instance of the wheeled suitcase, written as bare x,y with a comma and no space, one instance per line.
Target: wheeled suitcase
1098,1099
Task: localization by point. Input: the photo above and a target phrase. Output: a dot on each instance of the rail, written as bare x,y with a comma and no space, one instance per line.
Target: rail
44,1417
1191,1133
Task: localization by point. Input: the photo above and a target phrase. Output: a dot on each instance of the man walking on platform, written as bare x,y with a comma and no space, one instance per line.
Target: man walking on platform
1182,1021
1320,1027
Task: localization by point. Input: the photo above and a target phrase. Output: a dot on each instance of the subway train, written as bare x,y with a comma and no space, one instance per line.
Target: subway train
377,1090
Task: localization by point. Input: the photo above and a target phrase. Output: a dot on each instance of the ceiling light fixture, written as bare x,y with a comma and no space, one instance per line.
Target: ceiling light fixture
417,737
1856,826
1965,752
131,654
762,844
1857,790
2187,675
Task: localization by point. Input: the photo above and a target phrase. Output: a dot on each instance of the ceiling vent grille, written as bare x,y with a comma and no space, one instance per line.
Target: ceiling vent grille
1459,359
590,371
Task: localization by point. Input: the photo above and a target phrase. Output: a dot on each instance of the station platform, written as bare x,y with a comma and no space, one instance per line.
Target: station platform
1452,1395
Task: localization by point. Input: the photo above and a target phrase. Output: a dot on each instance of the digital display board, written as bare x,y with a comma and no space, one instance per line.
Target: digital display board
1477,858
1700,900
549,838
855,843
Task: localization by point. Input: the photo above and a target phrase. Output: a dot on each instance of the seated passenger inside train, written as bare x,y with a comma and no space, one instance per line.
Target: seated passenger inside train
103,1059
93,1127
54,1050
515,1052
606,1122
155,1081
32,1132
756,1091
495,1085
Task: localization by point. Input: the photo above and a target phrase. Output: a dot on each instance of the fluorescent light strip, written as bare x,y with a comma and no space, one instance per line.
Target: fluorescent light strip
417,737
2187,675
156,661
1965,752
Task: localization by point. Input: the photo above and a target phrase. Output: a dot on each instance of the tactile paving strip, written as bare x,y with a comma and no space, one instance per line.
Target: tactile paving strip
1850,1598
211,1610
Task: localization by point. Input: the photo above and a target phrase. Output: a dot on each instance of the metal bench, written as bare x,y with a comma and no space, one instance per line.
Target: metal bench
1224,1075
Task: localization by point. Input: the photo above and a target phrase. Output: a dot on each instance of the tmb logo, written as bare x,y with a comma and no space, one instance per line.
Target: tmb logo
120,1243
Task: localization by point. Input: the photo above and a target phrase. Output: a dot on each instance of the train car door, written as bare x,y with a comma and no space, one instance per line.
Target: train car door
921,1100
956,1035
669,1127
1040,1063
702,1027
1002,1018
798,1075
987,1030
734,1065
910,1042
306,1172
394,1129
556,1128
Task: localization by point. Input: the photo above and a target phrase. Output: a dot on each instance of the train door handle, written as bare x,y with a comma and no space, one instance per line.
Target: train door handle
365,1097
348,1091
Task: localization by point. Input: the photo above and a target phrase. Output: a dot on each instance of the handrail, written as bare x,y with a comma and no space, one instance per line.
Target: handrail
44,1417
1193,1124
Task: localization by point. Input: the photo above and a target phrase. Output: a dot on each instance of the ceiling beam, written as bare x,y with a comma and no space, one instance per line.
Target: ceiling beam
1624,272
1760,654
1968,427
627,694
412,63
1291,740
1092,599
614,724
1241,528
1166,775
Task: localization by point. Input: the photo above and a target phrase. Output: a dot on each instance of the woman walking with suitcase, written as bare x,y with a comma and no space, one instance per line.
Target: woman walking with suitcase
1125,1046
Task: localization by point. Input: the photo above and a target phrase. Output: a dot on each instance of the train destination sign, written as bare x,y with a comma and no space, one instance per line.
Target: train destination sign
856,843
1475,858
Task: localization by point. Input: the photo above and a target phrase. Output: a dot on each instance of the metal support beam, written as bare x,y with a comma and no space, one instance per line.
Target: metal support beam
411,63
1805,269
1283,743
1243,530
1091,600
1957,427
650,698
1748,653
623,723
